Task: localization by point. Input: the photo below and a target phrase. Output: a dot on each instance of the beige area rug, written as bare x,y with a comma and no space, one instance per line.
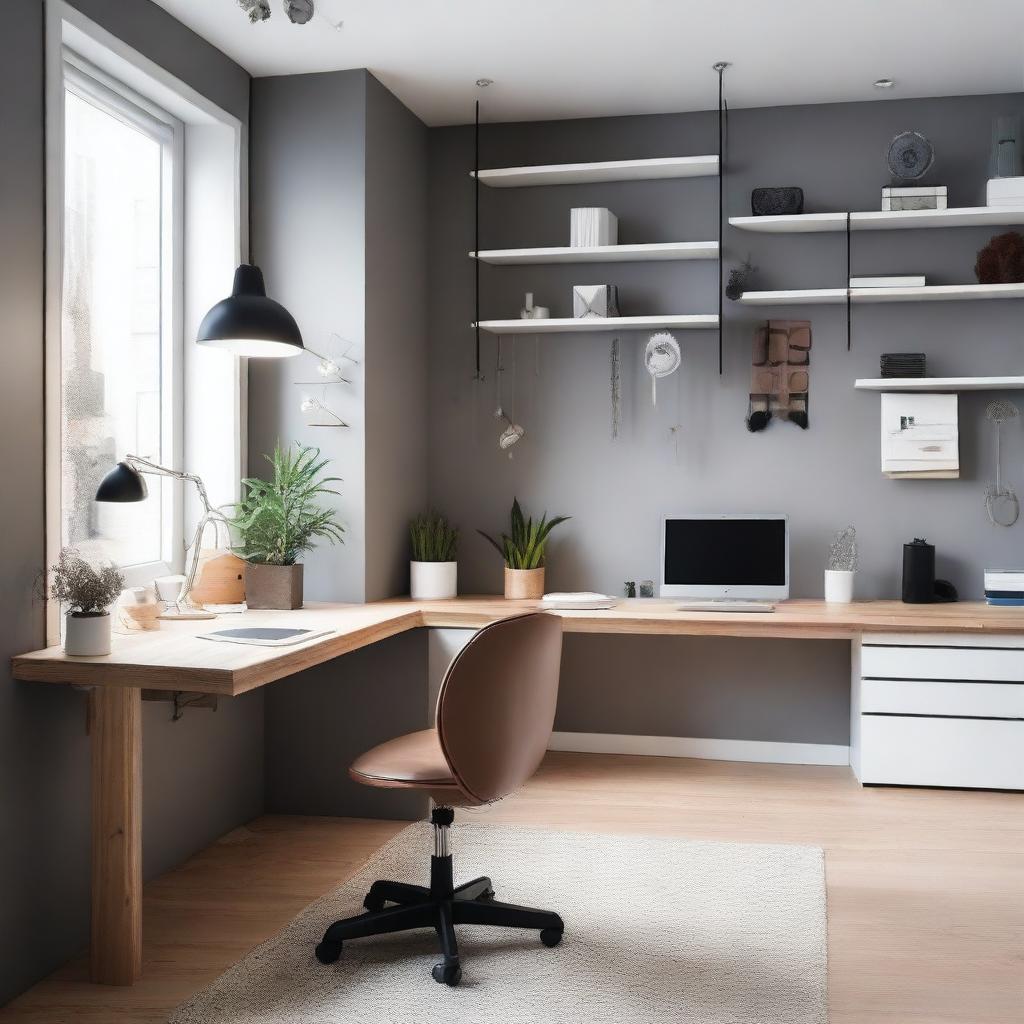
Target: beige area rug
656,930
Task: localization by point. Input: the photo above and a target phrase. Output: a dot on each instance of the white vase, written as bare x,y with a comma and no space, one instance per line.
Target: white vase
839,586
87,636
433,581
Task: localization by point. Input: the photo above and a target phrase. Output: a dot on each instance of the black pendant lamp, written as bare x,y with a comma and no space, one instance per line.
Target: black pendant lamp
248,323
122,483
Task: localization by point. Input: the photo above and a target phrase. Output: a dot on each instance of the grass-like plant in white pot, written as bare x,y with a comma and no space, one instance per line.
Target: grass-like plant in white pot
433,571
842,567
523,551
278,520
87,594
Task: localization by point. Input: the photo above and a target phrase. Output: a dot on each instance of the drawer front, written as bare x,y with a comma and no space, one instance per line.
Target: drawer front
932,697
942,663
972,753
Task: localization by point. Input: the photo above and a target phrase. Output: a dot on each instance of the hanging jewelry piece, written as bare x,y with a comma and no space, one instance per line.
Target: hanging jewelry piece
512,433
320,414
1001,503
661,358
616,386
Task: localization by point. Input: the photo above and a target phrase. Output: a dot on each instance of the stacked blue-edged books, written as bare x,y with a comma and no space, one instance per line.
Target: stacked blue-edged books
1005,587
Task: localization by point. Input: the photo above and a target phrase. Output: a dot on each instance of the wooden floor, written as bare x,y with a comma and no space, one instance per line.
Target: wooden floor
925,887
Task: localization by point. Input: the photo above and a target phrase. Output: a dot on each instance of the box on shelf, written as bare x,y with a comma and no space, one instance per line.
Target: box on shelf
594,300
920,436
913,197
907,281
1005,192
592,225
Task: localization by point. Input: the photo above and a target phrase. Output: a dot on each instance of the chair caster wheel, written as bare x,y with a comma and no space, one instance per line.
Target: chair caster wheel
447,974
328,952
551,936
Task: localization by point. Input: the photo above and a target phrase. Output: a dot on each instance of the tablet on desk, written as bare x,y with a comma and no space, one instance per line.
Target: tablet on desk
266,636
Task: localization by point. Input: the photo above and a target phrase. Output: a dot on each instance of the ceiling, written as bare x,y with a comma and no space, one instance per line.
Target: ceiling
578,58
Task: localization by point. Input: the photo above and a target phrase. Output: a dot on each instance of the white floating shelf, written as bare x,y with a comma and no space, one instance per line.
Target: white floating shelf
876,220
927,293
589,324
649,251
607,170
941,384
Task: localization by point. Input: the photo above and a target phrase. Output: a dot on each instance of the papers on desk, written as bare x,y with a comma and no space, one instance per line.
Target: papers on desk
583,601
265,636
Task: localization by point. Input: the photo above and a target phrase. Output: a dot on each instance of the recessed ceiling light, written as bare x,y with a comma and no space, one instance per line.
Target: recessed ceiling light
884,83
484,82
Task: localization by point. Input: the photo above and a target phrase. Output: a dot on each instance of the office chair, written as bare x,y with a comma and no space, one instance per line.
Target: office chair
495,712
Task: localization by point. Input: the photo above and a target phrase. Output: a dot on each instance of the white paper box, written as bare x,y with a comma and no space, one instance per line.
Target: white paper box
592,225
912,281
914,197
594,300
1005,192
920,434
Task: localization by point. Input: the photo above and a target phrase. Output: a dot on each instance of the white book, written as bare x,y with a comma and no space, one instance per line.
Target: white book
1004,579
911,281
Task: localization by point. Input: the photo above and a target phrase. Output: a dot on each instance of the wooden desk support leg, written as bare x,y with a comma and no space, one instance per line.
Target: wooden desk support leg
116,946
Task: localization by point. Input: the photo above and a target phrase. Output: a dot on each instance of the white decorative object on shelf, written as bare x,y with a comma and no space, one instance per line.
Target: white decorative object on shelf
641,252
875,220
571,325
920,436
532,312
935,384
1005,192
595,300
914,197
592,226
604,170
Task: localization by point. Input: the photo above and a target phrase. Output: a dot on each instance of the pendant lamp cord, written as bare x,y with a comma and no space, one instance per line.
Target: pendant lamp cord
849,290
723,113
476,231
249,166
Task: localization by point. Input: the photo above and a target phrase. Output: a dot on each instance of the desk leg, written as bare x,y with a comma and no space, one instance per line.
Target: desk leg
116,947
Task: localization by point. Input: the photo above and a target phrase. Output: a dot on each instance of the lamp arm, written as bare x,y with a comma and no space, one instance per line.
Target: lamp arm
154,469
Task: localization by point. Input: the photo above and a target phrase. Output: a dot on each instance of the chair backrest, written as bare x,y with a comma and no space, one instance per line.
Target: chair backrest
496,707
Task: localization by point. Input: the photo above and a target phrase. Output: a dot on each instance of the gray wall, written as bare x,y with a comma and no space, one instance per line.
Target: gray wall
616,491
203,775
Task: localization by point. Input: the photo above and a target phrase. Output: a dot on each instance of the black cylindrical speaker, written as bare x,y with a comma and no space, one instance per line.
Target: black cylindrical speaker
918,572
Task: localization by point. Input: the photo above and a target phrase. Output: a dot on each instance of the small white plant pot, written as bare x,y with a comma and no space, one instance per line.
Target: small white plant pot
839,586
87,636
433,581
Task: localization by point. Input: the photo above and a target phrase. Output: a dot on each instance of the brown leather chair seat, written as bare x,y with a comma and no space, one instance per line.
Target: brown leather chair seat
415,759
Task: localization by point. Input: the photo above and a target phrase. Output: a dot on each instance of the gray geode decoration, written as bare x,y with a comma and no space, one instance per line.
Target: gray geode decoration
299,11
258,10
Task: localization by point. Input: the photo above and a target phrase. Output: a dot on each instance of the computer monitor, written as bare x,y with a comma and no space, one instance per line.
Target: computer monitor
745,557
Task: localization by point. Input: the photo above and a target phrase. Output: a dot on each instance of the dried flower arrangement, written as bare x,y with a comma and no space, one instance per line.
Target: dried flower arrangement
85,590
842,553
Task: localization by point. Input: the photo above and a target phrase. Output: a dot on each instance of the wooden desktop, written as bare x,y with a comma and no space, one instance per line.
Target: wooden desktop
177,658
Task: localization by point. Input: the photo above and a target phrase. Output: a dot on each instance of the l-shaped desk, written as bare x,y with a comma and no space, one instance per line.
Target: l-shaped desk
937,698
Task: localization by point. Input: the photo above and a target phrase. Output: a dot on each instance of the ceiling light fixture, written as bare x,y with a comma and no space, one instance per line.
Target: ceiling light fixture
299,12
884,83
484,82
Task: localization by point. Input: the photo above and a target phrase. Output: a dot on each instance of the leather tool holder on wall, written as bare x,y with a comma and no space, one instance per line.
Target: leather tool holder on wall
780,379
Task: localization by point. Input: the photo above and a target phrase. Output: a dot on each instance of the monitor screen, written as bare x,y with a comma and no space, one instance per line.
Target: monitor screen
722,556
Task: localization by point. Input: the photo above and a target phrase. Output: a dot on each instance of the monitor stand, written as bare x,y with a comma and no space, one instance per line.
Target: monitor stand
726,606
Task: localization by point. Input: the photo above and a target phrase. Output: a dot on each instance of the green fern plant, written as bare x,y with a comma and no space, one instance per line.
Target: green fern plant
523,547
279,519
433,538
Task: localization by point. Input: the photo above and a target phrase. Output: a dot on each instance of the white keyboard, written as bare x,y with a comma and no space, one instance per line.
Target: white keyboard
726,606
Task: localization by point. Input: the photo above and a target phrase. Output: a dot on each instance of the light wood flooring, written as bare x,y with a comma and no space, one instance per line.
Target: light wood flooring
925,887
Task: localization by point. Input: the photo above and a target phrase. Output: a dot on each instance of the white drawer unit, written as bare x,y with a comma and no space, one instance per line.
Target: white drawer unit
938,711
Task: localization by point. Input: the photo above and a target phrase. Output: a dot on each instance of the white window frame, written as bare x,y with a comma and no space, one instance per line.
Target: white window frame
95,86
215,237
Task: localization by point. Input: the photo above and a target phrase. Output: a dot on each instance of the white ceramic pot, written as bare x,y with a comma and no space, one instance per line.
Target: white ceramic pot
87,636
839,586
433,581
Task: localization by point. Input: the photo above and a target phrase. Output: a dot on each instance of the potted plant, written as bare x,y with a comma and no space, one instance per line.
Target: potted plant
87,593
433,571
842,567
523,552
278,520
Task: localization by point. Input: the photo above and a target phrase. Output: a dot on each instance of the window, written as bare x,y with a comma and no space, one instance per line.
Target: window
120,330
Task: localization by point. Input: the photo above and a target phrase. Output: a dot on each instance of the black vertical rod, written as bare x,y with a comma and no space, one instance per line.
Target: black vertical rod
849,290
249,160
721,214
476,230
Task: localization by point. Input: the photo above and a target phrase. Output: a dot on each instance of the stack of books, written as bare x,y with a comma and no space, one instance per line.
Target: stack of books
1005,587
902,364
593,225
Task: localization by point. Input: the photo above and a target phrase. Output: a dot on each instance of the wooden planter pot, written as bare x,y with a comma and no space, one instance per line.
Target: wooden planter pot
524,584
273,586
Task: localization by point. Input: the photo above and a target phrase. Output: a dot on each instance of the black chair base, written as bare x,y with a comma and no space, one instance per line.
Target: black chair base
398,907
